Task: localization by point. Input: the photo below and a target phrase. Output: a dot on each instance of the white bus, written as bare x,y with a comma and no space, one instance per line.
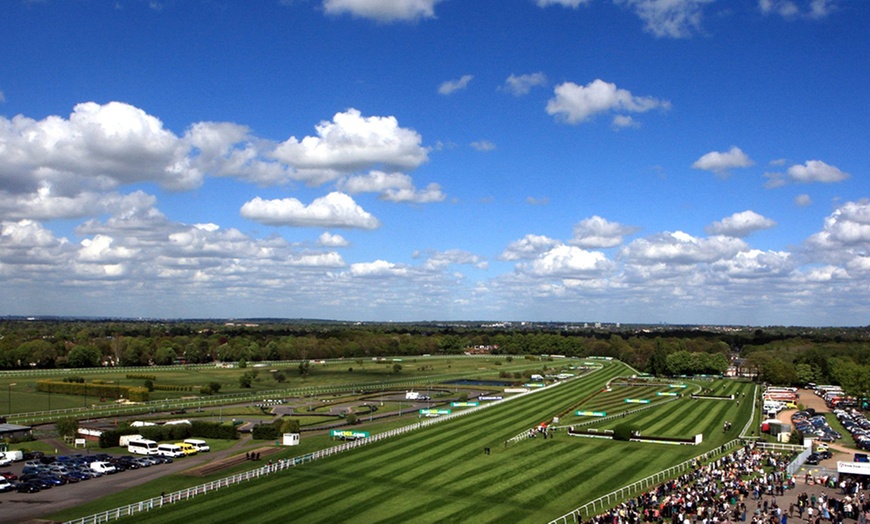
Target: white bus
142,447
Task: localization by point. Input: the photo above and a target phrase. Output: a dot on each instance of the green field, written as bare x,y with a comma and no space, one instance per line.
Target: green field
440,473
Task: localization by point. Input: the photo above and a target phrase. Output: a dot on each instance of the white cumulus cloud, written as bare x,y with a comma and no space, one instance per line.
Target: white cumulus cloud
349,143
740,224
333,210
528,247
328,239
597,232
681,248
720,162
568,262
574,103
816,171
383,10
393,187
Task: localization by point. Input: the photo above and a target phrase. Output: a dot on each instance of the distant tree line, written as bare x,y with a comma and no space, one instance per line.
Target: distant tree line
780,355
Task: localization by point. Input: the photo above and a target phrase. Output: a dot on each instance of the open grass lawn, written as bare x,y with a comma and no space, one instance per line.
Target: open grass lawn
440,473
18,392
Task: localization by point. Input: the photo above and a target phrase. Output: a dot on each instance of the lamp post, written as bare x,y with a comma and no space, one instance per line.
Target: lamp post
9,396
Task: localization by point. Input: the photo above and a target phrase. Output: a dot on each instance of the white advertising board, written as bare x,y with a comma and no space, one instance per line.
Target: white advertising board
854,468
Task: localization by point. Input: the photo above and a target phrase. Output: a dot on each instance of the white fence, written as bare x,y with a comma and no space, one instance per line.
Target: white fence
611,499
184,494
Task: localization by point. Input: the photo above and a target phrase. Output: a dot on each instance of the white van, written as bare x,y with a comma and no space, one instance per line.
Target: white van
15,455
170,450
142,447
103,467
200,445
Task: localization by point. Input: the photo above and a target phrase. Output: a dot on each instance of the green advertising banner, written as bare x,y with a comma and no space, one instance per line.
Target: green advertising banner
663,394
637,401
678,386
464,404
534,385
346,433
590,413
434,411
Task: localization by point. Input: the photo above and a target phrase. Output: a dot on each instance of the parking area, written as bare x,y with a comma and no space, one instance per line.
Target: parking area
21,507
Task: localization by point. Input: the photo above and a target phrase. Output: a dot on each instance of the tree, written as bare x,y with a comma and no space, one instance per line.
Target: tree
245,381
165,356
84,356
279,377
291,425
397,367
67,427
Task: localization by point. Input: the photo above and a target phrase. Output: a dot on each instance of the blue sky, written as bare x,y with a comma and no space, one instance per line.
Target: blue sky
634,161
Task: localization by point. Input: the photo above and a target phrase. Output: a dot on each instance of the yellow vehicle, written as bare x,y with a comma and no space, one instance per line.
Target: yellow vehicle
188,449
821,447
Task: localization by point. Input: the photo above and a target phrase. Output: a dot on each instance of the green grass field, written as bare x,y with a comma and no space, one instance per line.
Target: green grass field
440,473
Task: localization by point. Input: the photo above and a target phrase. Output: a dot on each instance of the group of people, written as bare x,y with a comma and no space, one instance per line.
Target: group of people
718,492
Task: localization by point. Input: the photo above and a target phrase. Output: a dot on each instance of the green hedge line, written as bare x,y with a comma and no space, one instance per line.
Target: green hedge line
136,394
140,376
172,387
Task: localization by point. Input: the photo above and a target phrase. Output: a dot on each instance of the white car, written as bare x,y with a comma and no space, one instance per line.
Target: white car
4,461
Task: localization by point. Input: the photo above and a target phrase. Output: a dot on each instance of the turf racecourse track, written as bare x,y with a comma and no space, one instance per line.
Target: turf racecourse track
441,474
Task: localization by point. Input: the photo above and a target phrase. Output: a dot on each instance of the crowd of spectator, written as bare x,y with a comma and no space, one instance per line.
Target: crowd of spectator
747,485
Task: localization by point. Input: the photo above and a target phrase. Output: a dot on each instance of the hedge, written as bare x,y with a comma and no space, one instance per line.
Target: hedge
140,376
136,394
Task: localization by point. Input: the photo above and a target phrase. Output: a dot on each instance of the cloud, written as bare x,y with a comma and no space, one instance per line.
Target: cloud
681,248
568,262
816,171
483,145
528,247
98,147
535,201
803,200
451,86
333,210
623,121
327,239
721,162
740,224
574,104
351,143
596,232
2,97
755,264
523,84
439,260
432,193
790,9
393,187
383,10
564,3
378,268
848,227
668,18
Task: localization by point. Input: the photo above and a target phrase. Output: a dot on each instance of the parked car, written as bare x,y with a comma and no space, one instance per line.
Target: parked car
813,459
5,485
28,487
